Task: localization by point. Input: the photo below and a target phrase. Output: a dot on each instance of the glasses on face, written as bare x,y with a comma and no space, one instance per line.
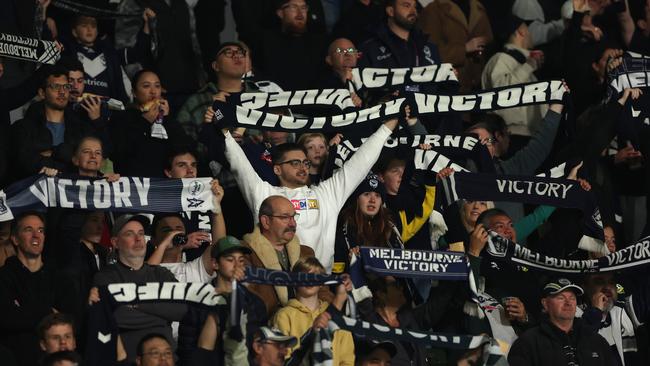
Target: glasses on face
350,50
232,52
158,354
488,141
59,87
296,7
287,218
296,163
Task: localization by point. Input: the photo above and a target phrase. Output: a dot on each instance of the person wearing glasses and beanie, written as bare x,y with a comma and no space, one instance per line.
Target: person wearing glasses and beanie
561,338
275,246
45,140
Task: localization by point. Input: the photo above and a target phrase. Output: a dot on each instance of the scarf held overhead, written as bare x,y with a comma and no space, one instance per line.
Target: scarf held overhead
372,78
232,115
429,264
29,49
128,194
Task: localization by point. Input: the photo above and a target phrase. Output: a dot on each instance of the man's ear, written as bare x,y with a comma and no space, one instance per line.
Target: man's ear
390,11
74,33
215,67
328,60
41,93
642,24
280,14
14,240
381,177
264,222
42,344
114,242
544,306
215,264
168,173
75,160
277,170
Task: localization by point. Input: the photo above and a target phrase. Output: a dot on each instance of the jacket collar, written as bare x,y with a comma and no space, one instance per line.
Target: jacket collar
269,258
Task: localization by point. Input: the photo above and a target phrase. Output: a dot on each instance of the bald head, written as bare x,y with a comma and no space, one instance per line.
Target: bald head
342,55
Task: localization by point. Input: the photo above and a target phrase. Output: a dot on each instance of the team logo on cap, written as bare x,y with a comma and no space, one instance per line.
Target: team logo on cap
564,282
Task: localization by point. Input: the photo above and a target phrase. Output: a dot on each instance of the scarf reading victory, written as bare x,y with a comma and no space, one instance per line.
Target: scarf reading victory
632,257
232,115
128,194
529,189
29,49
373,78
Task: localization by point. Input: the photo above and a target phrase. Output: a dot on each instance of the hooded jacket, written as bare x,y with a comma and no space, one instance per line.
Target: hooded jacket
295,319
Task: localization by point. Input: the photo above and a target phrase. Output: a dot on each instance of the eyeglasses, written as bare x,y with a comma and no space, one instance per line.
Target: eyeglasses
488,141
286,218
296,7
351,50
295,163
232,52
158,355
59,87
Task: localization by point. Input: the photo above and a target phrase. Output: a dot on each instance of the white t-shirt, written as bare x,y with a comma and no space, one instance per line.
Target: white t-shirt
193,271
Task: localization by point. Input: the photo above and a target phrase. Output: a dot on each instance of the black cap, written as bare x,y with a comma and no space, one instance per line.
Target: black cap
558,285
125,219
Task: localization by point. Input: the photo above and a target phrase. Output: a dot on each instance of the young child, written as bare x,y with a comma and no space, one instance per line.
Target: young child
305,311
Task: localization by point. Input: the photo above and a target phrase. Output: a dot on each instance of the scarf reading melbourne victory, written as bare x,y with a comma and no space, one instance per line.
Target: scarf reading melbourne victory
454,147
632,257
372,78
429,264
128,194
528,189
232,115
29,49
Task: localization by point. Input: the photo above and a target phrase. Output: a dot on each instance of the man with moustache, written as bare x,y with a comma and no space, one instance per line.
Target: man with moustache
275,246
609,318
397,43
292,56
30,290
45,140
560,338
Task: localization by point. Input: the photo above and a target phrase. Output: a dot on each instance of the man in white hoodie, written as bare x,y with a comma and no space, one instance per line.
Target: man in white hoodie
318,206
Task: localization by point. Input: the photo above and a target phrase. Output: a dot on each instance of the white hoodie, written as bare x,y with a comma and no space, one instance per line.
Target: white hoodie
319,205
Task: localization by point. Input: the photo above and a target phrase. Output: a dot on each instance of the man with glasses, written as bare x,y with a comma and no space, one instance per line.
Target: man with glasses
154,350
270,347
341,58
137,320
275,246
318,205
560,338
44,141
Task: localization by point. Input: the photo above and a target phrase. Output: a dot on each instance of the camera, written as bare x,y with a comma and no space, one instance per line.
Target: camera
179,240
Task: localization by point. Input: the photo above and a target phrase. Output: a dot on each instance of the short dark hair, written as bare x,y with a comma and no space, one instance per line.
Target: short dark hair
278,152
20,217
147,338
71,64
51,320
174,152
161,216
136,77
79,18
56,357
637,10
55,70
488,214
491,122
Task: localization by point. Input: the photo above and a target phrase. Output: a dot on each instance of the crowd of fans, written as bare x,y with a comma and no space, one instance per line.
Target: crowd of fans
282,204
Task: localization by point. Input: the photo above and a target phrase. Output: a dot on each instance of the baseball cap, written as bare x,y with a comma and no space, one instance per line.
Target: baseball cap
558,285
228,244
274,335
125,219
363,349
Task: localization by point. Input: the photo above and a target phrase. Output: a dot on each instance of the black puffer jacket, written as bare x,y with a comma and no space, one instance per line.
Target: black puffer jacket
546,345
